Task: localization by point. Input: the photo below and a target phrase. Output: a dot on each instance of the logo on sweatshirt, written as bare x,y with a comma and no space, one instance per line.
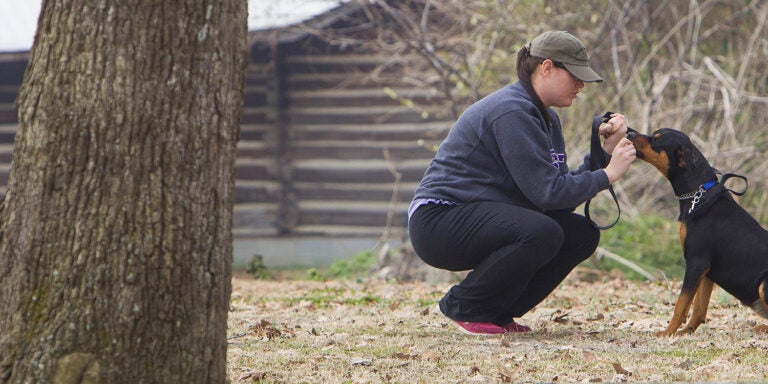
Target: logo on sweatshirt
557,158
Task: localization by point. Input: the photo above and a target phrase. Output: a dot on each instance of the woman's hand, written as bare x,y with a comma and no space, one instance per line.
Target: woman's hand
623,155
613,131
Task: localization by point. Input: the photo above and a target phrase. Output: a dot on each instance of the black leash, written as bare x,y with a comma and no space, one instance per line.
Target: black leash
726,176
598,160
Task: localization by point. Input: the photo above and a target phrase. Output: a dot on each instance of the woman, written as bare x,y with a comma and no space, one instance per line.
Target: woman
498,198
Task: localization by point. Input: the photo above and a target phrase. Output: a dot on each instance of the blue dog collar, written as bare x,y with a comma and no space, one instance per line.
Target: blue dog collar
702,188
696,196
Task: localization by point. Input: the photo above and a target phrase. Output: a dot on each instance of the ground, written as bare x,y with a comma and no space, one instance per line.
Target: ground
591,329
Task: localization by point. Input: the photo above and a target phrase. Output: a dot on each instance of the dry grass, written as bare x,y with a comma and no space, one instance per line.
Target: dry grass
336,332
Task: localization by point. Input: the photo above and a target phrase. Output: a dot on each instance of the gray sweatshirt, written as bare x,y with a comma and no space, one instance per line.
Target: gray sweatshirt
501,149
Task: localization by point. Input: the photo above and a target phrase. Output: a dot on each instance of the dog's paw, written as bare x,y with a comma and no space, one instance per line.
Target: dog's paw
664,333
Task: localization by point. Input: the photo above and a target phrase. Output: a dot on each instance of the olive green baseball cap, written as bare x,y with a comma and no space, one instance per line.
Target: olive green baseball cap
564,48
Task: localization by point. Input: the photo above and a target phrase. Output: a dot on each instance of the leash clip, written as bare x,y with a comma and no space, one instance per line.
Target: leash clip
696,198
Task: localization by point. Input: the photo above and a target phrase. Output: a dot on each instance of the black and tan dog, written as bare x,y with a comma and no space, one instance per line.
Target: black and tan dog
722,243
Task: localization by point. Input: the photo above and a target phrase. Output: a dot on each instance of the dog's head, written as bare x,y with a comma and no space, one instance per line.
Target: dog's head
674,155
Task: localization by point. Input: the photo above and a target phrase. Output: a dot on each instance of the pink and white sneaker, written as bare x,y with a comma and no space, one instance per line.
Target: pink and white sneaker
513,327
480,329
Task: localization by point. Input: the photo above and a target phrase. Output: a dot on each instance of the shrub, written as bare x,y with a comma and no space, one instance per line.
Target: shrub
354,267
650,241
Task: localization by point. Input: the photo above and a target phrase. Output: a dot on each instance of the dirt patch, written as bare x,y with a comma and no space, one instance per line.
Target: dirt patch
376,331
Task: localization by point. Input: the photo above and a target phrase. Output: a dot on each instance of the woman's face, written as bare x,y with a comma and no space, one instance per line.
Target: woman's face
556,86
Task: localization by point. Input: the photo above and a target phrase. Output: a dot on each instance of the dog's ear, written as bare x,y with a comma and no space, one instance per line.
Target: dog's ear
687,157
680,154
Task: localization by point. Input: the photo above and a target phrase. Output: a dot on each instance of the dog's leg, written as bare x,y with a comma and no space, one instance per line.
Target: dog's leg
686,295
700,305
760,306
691,282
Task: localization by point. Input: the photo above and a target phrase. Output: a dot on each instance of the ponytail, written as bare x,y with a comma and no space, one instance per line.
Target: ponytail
526,65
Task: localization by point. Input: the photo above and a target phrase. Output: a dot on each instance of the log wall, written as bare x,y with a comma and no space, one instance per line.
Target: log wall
333,139
338,144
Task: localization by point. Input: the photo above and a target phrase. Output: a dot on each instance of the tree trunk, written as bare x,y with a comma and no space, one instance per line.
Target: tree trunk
116,242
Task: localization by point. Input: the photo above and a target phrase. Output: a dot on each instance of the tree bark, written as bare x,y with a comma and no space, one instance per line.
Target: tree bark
115,256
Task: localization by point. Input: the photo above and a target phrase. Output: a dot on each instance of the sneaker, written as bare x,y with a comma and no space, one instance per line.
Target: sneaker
513,327
481,329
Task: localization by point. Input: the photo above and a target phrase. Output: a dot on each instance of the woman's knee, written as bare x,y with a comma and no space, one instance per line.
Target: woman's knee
581,237
589,235
548,231
592,239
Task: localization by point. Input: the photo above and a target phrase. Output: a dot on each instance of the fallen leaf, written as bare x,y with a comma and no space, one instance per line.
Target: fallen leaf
265,330
360,361
431,356
705,344
619,378
597,317
588,356
754,343
253,375
687,364
506,376
560,319
620,370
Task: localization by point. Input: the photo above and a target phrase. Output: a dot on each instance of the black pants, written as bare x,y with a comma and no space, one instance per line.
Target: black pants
517,256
